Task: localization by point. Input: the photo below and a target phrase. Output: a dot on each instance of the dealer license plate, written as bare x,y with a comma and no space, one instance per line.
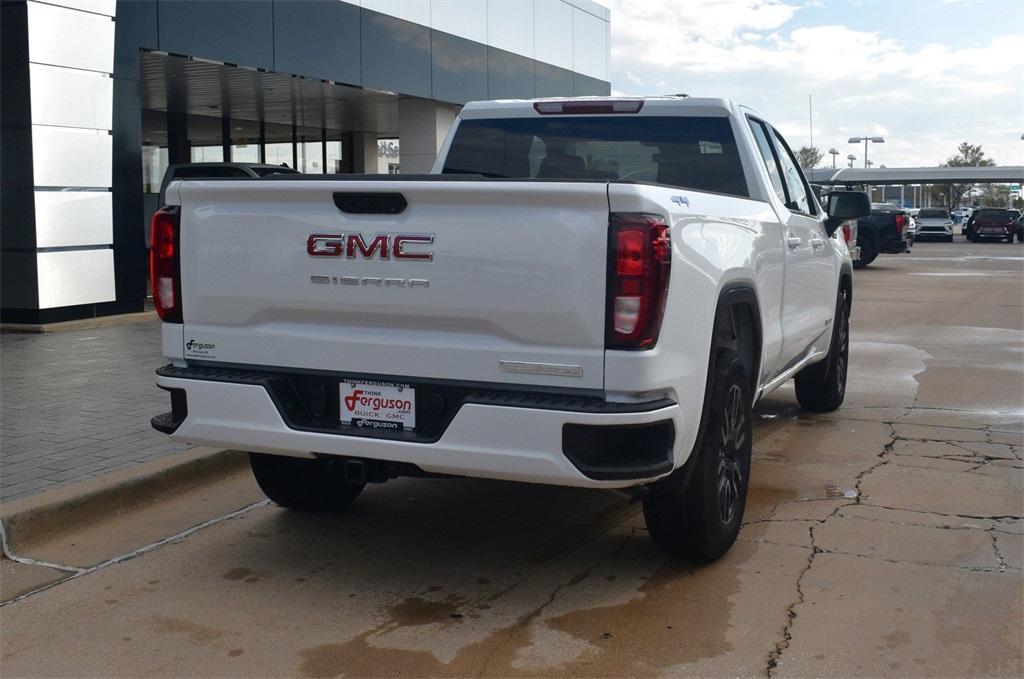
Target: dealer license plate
378,405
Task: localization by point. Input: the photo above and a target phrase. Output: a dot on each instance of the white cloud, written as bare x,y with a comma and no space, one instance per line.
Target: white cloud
927,98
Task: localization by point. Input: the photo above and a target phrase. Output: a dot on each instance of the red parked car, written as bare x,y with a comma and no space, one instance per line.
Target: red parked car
989,222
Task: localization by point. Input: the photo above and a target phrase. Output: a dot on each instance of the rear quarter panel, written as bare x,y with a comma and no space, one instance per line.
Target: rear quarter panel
709,252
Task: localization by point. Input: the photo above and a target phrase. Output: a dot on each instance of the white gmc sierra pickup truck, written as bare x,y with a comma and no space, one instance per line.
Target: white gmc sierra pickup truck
586,292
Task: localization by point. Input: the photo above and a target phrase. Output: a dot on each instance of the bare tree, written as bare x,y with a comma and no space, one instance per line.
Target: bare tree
809,157
967,155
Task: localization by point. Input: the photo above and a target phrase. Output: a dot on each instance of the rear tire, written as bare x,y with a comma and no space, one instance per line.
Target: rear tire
700,519
307,485
868,253
821,387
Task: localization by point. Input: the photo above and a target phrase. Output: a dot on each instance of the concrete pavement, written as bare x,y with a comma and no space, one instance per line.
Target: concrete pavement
881,540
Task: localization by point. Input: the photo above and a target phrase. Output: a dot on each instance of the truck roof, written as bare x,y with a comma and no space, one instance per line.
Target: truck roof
666,105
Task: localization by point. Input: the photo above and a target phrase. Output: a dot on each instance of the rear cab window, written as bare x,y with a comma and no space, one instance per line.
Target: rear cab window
686,151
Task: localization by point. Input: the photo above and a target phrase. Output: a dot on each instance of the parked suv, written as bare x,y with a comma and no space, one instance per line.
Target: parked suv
934,222
990,222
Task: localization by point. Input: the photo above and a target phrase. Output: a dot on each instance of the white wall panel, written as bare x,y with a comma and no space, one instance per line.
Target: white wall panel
464,18
107,7
67,37
75,277
592,7
66,218
416,11
69,97
589,45
67,157
552,30
510,26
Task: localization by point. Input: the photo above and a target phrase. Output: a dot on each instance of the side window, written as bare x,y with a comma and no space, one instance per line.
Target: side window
765,147
799,196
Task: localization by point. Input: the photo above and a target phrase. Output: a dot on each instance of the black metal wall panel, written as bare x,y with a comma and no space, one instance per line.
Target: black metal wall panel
395,55
509,76
18,276
233,31
586,86
129,222
459,68
551,81
318,39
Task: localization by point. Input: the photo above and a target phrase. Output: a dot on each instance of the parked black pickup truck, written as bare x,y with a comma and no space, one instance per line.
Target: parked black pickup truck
885,230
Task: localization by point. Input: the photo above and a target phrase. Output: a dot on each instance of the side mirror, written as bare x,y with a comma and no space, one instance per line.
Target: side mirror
844,206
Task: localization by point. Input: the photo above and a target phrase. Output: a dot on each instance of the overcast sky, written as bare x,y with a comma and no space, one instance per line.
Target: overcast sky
925,74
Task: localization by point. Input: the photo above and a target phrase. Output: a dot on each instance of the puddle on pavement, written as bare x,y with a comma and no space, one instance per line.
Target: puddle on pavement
651,631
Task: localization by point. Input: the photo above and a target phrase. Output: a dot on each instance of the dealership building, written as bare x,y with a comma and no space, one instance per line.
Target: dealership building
99,96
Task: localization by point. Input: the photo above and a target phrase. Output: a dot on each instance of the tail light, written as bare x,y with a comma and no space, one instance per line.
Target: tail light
165,265
846,231
639,260
901,222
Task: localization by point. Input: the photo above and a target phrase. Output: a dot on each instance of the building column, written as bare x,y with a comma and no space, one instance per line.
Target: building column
70,63
422,128
365,153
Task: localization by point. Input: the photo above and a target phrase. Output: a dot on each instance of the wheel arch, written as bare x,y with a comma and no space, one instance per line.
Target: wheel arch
733,295
738,327
846,283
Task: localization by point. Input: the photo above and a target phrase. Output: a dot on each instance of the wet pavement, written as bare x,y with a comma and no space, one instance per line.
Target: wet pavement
883,539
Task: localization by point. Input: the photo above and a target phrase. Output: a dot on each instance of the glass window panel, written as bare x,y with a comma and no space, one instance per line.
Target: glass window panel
208,154
799,196
279,154
245,153
154,164
333,157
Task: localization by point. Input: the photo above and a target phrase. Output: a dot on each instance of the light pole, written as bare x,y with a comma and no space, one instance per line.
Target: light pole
834,153
873,140
851,158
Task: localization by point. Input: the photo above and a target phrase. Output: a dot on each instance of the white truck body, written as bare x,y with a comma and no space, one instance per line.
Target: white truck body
509,313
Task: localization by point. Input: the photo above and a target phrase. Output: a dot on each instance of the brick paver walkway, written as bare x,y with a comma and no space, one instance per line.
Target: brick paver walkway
77,404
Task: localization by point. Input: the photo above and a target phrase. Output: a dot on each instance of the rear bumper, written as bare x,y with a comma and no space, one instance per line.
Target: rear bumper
992,233
896,246
488,440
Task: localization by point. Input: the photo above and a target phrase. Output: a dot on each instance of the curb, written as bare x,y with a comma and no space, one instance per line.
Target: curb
81,324
36,518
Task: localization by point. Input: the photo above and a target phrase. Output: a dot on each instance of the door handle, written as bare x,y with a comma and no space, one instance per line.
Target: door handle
794,242
817,243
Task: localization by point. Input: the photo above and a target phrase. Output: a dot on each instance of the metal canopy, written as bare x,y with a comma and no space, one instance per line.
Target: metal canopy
917,175
205,88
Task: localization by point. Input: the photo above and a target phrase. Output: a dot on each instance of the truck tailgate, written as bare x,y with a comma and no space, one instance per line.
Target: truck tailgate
514,292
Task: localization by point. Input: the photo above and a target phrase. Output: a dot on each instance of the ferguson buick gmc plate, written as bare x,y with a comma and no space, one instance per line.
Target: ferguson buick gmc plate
378,405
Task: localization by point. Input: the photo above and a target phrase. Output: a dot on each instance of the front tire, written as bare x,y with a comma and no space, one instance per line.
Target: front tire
821,387
700,519
306,485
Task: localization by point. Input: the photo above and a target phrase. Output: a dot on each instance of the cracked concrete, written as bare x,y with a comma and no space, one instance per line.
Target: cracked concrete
883,539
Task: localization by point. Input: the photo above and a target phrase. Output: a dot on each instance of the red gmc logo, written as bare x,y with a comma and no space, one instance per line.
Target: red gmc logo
383,246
